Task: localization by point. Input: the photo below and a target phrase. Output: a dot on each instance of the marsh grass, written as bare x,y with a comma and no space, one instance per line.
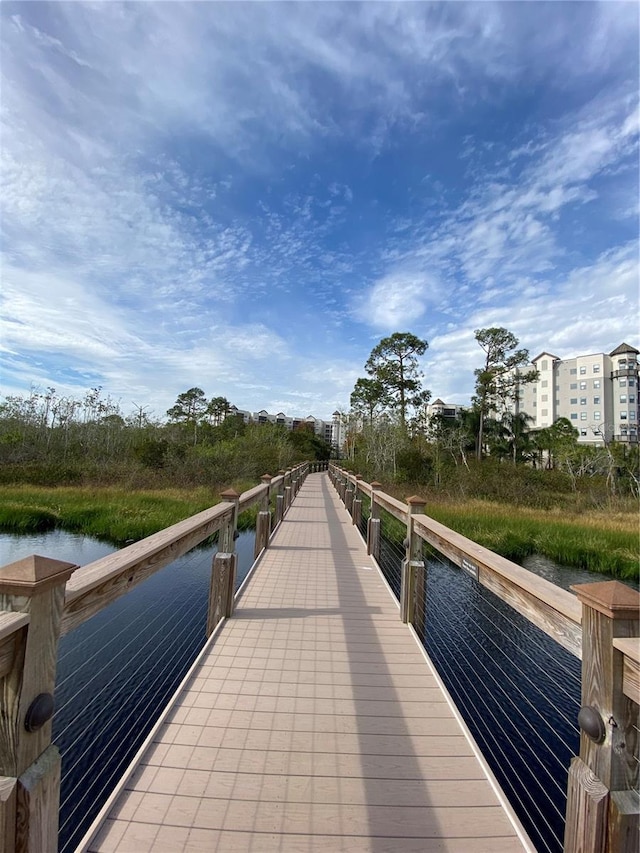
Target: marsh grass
595,541
111,514
601,541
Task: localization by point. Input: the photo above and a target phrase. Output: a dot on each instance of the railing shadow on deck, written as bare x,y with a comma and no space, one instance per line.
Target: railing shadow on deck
599,625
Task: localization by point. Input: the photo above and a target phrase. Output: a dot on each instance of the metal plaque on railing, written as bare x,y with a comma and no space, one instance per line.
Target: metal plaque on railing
469,567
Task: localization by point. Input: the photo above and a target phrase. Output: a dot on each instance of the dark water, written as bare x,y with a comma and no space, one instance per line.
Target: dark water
117,671
518,691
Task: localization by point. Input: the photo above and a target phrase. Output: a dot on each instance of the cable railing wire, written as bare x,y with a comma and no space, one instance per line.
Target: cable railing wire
117,678
109,662
132,744
517,690
492,676
523,673
139,689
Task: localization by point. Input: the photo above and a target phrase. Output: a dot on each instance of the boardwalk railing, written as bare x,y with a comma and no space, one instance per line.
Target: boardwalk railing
42,599
600,624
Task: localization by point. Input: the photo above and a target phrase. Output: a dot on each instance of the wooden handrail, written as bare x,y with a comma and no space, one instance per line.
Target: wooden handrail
630,648
97,584
94,586
12,621
555,611
252,496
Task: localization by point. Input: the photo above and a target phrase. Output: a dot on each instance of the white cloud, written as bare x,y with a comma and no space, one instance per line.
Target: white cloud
150,245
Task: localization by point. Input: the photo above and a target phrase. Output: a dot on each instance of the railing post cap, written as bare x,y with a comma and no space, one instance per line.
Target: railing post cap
416,500
282,471
376,485
229,495
358,476
34,573
616,600
266,478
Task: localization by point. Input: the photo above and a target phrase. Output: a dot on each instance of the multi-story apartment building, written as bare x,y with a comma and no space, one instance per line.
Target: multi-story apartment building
322,428
447,410
597,393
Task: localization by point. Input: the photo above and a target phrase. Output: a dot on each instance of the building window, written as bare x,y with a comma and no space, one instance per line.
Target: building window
583,370
596,416
632,382
596,401
573,371
632,398
623,398
623,416
632,416
583,386
574,416
596,368
574,401
583,416
596,383
544,383
583,401
622,362
544,413
544,365
544,398
573,385
622,383
583,432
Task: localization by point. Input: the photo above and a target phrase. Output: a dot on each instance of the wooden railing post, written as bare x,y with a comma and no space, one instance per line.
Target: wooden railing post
373,524
29,762
280,498
263,519
348,496
288,497
601,816
223,570
356,510
413,562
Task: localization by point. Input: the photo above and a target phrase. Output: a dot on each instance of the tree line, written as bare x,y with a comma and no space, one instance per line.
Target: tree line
54,439
389,432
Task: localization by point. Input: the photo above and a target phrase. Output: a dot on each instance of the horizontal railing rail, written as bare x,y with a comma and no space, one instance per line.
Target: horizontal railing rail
599,625
630,648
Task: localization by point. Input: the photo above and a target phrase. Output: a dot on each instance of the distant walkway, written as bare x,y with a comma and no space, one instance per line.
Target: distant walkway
313,722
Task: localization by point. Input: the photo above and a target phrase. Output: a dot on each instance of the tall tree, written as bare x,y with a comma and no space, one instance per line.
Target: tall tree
217,410
189,409
499,380
394,364
368,397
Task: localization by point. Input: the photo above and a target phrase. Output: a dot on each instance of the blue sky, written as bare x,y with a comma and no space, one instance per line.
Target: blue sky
247,197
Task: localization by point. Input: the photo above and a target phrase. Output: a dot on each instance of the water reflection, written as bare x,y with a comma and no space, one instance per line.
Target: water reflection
565,576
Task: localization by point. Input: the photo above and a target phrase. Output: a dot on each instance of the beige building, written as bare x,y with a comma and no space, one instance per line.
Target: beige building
597,393
324,429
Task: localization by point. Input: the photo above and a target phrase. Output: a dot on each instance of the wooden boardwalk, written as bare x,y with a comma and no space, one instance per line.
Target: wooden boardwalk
312,722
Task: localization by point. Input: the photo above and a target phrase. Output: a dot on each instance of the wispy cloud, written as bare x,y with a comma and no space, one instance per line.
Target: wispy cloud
236,195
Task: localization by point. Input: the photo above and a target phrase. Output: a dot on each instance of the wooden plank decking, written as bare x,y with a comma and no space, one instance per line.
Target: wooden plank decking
312,723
